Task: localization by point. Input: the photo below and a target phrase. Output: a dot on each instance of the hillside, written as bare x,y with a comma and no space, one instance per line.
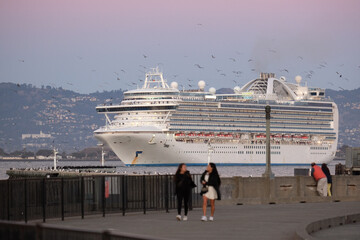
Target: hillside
70,118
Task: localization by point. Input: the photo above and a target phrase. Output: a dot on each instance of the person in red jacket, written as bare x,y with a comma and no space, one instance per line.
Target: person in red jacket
320,178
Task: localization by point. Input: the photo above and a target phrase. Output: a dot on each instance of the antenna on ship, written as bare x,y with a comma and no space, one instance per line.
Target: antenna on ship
155,76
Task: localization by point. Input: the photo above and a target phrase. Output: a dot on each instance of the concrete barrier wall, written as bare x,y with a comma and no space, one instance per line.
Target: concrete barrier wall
255,190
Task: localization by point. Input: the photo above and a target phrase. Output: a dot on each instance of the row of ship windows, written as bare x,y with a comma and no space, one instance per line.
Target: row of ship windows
238,152
264,152
319,148
318,153
246,126
260,147
254,112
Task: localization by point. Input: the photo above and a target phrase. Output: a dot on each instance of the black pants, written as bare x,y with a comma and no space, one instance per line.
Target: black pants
180,196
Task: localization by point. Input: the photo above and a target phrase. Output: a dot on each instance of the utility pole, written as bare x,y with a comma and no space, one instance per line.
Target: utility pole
268,172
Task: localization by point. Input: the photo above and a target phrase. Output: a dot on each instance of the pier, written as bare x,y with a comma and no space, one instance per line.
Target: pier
143,207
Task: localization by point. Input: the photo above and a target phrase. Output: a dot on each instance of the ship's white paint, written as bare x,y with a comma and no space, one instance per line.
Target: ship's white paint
145,137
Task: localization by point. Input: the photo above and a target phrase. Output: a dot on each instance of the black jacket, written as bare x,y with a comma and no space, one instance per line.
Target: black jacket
214,181
183,182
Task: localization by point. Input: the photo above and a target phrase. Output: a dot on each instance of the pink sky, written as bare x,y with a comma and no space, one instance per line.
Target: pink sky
50,34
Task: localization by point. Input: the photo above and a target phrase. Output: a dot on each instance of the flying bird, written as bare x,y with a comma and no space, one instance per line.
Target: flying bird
145,56
118,78
250,60
197,65
300,57
341,88
123,70
21,60
271,50
212,56
223,74
284,70
233,59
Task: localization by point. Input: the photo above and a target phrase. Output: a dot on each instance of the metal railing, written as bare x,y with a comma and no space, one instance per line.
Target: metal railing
34,198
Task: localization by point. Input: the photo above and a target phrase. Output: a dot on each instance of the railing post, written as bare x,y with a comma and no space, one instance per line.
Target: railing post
144,193
44,199
62,199
103,195
82,196
167,193
123,194
8,199
25,200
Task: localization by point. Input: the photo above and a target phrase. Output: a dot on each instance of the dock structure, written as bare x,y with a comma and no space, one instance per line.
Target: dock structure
97,202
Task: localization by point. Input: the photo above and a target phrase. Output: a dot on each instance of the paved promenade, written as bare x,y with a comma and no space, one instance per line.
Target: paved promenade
231,222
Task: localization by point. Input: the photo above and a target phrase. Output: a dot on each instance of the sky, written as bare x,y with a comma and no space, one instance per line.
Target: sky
96,45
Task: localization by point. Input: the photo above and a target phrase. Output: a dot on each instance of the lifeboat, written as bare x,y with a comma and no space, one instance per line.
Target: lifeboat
228,135
287,137
201,135
220,135
304,138
260,136
209,135
296,137
179,135
278,136
191,135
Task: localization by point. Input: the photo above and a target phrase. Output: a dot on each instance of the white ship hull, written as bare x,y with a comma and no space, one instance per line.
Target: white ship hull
135,149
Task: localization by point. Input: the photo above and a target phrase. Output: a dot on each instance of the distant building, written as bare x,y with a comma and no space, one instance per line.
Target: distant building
36,141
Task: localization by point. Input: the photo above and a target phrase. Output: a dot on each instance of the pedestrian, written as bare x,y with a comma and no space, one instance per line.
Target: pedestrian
183,186
327,173
211,182
320,178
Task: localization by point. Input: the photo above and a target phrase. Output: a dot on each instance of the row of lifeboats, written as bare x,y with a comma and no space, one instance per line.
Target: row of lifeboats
237,136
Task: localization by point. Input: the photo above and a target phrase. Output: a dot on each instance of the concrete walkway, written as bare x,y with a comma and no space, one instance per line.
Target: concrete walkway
231,222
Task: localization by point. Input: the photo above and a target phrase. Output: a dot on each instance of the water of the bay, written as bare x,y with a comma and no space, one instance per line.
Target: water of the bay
225,171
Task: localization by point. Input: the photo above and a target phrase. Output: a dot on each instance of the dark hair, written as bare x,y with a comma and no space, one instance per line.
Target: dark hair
178,170
214,169
313,164
325,169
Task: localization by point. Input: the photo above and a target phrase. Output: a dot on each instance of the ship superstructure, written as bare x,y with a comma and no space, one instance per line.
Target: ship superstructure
161,125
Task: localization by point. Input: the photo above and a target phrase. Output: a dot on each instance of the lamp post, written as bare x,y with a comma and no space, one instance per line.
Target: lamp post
55,160
102,154
268,172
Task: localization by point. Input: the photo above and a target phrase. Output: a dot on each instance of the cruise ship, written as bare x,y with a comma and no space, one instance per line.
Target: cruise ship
159,124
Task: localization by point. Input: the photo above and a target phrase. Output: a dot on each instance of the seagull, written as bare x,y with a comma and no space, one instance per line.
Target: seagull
284,70
271,50
223,74
118,78
300,57
190,85
341,88
253,69
250,60
18,85
212,56
218,70
123,70
199,24
233,59
69,83
145,56
21,60
197,65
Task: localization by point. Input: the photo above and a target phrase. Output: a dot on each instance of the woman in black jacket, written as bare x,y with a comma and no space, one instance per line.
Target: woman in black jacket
211,182
183,186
